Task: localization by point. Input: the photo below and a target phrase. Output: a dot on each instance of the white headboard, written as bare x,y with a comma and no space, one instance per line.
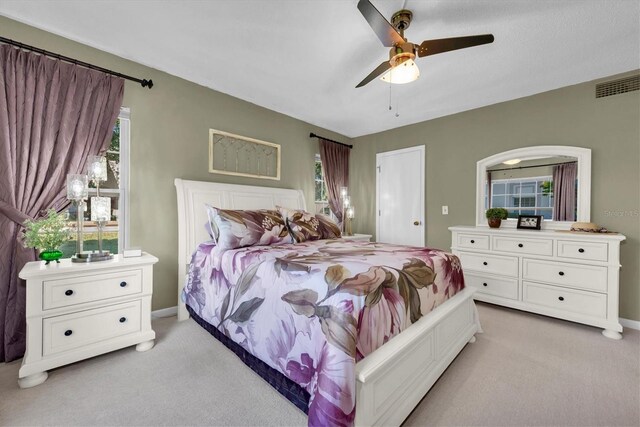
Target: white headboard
192,216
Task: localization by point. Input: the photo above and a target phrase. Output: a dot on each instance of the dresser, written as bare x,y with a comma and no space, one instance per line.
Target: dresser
571,276
76,311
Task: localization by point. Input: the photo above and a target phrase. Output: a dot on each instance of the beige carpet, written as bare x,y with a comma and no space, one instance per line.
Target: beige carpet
524,370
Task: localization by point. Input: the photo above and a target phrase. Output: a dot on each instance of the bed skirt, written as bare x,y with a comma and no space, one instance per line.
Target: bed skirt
289,389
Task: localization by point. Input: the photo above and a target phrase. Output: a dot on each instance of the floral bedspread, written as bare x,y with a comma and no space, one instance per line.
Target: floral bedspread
312,310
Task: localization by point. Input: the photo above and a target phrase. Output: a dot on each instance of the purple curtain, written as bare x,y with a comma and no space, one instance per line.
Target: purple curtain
53,116
564,192
335,164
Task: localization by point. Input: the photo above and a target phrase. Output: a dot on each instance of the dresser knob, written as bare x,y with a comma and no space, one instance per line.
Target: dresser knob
68,332
68,292
123,284
473,241
123,319
561,298
484,263
484,284
520,245
581,250
561,273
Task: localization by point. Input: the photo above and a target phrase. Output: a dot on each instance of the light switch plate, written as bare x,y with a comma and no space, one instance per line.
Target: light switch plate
445,210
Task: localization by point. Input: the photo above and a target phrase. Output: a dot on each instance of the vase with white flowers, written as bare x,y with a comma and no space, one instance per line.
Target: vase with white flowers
47,235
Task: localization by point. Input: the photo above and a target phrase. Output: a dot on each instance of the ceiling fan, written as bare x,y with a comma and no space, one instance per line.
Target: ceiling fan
400,68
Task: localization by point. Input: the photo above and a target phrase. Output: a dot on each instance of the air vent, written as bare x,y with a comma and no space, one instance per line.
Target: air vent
616,87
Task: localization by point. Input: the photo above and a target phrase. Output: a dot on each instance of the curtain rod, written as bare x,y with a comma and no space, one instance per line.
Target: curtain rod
143,82
313,135
527,167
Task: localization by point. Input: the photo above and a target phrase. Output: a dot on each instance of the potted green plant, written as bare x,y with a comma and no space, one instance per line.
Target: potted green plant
47,235
495,216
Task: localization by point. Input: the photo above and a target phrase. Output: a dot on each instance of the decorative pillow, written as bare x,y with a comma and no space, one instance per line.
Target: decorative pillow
231,229
305,226
328,227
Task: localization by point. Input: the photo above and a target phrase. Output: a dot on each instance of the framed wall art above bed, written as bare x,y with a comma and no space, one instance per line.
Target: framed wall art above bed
312,318
231,154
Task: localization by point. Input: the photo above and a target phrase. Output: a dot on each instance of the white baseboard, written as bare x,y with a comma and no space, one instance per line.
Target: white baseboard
631,324
165,312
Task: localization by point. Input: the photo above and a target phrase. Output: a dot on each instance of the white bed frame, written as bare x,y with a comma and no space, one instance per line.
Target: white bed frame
392,380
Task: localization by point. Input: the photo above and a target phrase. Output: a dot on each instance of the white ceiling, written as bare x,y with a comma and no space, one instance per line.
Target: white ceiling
303,58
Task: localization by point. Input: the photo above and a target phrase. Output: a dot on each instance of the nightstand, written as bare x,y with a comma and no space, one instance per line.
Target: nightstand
360,237
76,311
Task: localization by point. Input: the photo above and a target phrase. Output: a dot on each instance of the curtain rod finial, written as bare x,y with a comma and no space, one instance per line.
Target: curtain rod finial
147,83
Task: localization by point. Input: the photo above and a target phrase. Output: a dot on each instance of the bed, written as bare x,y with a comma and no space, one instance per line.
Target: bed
295,313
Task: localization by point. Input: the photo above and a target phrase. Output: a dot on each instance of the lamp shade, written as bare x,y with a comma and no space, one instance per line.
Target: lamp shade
97,169
351,212
404,72
77,187
100,209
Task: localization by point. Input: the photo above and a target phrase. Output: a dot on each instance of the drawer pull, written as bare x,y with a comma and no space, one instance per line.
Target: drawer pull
68,332
561,298
123,284
484,284
484,263
581,250
68,292
520,245
561,273
473,241
123,319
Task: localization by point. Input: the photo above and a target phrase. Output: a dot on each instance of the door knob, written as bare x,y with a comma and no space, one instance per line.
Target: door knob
416,222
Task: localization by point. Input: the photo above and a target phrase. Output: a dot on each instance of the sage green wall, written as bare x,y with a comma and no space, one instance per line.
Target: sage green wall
169,139
609,126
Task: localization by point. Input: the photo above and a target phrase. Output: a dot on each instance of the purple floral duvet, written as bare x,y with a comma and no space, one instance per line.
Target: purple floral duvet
312,310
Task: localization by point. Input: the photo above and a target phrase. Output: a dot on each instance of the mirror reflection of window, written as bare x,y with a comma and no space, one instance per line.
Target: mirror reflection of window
527,188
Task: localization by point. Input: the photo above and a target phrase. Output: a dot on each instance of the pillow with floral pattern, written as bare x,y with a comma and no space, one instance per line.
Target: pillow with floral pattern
233,229
305,226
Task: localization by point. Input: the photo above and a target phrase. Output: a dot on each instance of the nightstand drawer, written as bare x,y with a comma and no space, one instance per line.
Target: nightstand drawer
516,245
502,265
581,302
496,286
71,331
589,277
78,290
473,241
591,251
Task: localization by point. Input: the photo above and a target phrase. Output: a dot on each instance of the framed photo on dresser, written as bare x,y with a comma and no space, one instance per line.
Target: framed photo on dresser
529,222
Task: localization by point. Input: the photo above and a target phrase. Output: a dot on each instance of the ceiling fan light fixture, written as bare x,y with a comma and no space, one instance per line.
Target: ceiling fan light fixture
404,71
512,162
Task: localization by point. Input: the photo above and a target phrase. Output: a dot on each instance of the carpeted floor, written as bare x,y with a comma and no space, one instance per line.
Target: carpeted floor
524,370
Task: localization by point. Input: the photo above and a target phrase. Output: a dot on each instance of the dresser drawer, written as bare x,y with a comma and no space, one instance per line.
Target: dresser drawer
592,278
64,333
571,300
502,265
516,245
591,251
78,290
473,241
500,287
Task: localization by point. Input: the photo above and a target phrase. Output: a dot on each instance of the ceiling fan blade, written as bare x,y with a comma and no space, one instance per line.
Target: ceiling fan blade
386,65
432,47
383,29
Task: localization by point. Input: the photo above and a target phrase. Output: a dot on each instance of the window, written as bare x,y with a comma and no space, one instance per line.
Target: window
524,196
115,233
322,203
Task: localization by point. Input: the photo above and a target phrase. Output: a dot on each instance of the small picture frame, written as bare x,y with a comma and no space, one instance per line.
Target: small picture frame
529,222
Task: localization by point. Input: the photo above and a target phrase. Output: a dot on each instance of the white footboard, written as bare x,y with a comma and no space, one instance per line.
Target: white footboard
392,380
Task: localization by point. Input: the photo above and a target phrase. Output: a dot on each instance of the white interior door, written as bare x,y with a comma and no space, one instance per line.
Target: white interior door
400,196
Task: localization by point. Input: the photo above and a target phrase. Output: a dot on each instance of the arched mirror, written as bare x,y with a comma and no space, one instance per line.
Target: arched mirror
551,181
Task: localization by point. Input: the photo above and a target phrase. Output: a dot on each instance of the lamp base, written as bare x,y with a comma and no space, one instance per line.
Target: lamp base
92,256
